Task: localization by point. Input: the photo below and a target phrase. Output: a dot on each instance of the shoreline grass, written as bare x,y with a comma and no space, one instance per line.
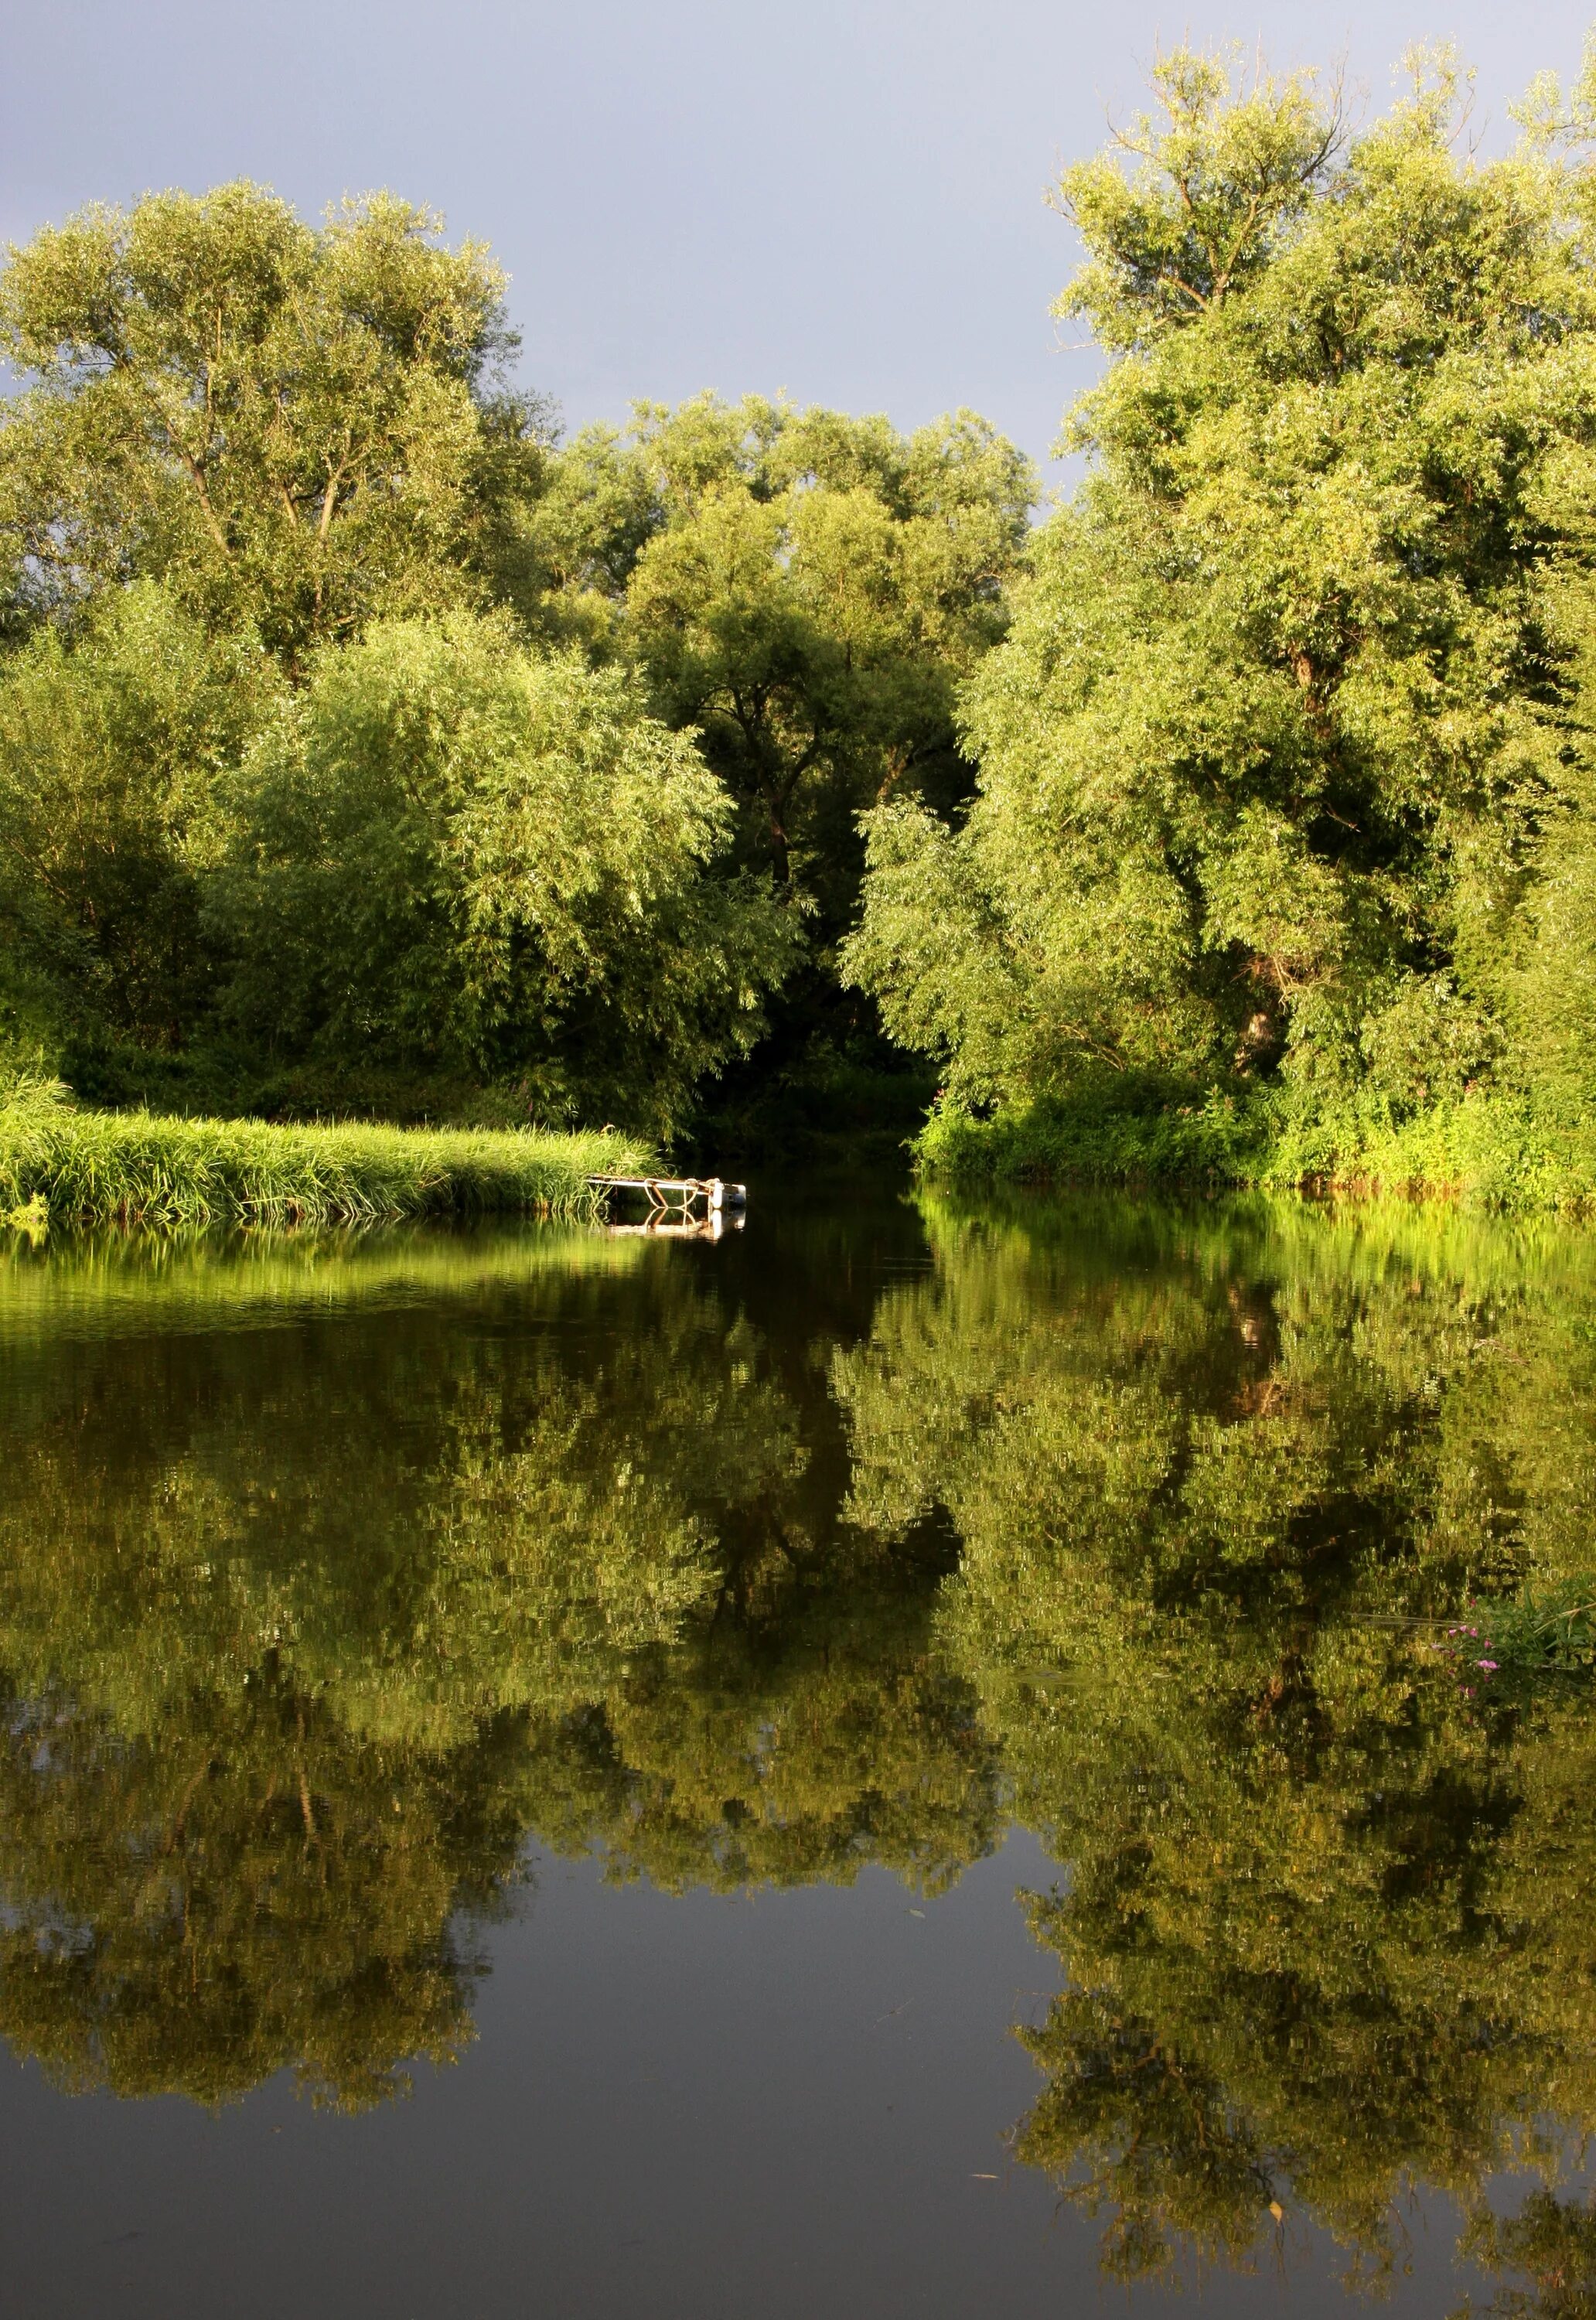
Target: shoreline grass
1488,1151
59,1165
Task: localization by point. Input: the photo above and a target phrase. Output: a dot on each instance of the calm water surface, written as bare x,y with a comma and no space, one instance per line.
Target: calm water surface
892,1763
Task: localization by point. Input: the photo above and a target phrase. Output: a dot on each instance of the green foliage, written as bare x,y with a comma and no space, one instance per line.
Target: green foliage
1282,763
447,853
805,591
1215,190
1536,1631
60,1164
1494,1150
1104,1135
296,427
813,588
233,859
110,749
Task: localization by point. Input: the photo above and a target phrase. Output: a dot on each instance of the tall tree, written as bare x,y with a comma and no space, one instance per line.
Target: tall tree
1266,759
805,591
111,751
802,588
298,427
453,855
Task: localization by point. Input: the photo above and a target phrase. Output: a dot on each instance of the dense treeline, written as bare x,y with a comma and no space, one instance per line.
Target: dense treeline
362,742
357,735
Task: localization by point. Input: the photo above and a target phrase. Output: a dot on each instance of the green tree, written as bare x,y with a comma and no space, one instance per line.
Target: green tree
804,591
449,853
111,748
811,590
1268,759
298,428
300,434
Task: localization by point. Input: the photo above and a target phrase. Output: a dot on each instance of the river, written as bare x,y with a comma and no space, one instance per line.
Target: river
906,1760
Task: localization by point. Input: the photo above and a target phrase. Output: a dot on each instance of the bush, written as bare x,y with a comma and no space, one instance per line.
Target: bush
1548,1631
1490,1150
1102,1138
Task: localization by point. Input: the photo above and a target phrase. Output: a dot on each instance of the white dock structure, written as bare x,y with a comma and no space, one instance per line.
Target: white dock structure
688,1200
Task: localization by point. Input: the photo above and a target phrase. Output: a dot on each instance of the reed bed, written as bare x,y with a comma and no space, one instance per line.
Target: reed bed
59,1165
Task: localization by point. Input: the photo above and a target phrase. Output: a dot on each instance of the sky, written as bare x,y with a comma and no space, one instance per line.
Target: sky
842,199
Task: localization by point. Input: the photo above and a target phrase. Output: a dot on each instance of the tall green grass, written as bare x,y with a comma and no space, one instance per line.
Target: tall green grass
1550,1630
61,1166
1488,1150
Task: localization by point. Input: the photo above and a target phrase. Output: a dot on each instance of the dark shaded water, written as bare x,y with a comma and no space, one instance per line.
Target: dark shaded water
893,1764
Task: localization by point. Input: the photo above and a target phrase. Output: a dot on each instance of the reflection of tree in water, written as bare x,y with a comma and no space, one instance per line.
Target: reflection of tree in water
306,1629
1328,1922
784,1757
1551,2244
247,1892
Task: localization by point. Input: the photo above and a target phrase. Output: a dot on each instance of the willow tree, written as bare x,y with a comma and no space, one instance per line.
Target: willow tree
111,748
239,438
1268,759
448,854
295,426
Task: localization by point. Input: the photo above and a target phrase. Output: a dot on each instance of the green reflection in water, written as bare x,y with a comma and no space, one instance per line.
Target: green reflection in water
330,1573
1328,1925
305,1626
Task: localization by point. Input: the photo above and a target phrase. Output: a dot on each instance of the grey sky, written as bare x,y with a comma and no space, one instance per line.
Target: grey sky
842,200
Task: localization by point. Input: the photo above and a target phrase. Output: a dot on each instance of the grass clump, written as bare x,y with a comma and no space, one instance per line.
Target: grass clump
1485,1148
61,1166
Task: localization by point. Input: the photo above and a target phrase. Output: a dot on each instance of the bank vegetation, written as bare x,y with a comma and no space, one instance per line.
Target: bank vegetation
369,747
62,1166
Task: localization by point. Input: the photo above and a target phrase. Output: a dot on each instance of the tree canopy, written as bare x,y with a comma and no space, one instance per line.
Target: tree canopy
1280,765
261,471
452,854
297,426
811,590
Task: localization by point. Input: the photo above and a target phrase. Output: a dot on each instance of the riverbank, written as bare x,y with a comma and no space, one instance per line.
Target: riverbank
1484,1149
61,1165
